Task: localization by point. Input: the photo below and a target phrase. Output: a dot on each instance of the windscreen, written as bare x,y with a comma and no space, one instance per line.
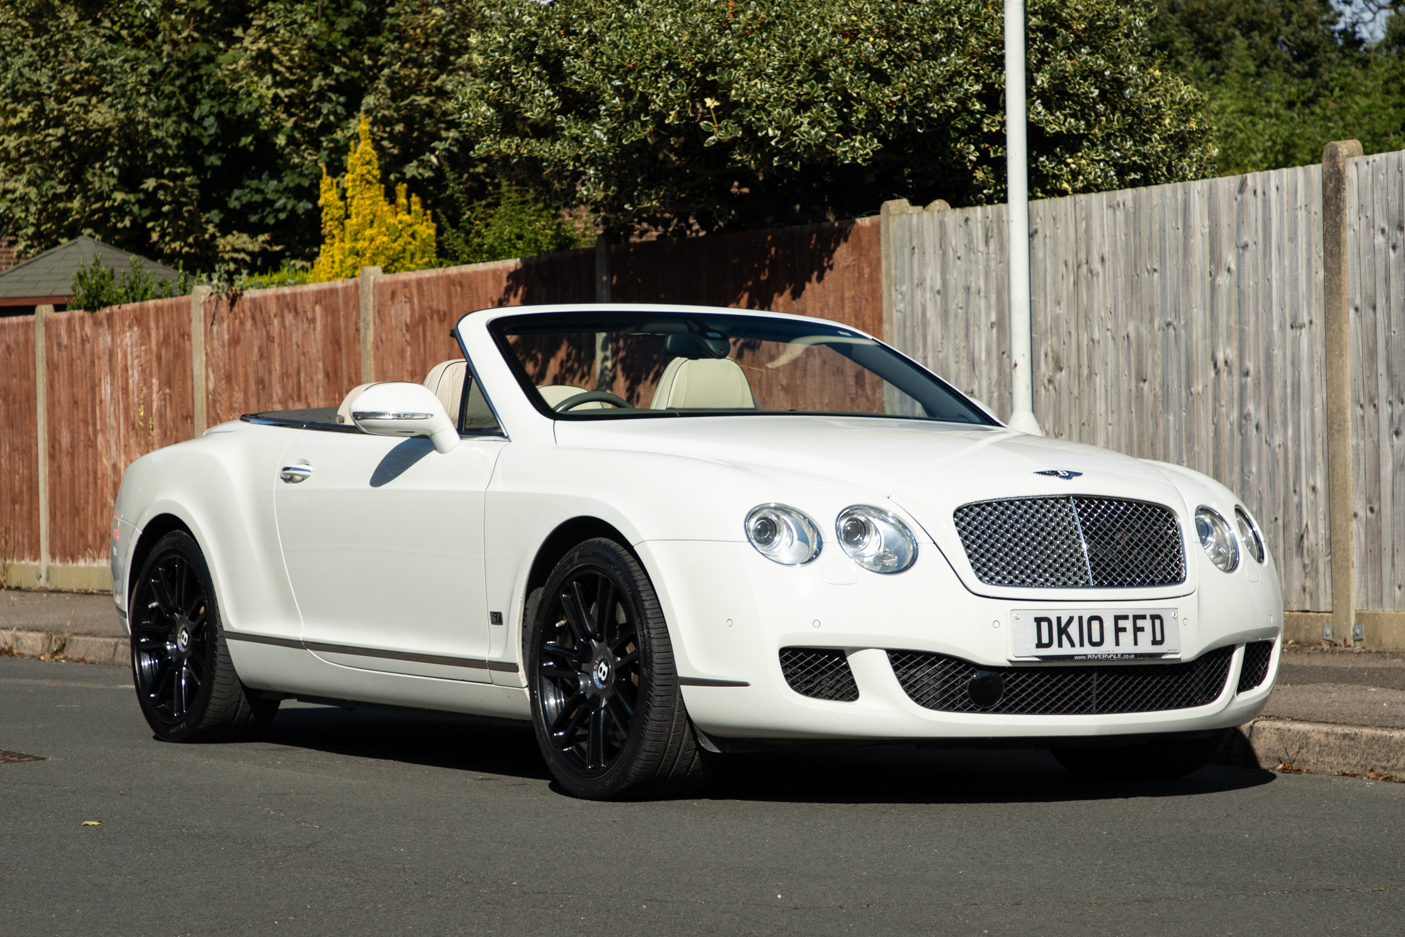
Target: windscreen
612,365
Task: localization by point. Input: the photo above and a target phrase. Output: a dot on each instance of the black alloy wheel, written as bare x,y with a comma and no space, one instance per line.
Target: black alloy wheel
184,678
606,705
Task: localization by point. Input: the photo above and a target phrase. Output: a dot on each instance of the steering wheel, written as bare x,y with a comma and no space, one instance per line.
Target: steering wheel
589,396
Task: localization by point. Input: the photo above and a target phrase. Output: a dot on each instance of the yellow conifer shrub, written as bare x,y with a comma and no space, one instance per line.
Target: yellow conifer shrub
363,228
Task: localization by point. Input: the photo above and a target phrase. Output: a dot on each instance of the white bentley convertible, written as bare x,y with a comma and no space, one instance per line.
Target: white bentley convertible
662,533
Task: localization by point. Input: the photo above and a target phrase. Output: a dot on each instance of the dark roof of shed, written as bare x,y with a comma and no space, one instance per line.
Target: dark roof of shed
51,273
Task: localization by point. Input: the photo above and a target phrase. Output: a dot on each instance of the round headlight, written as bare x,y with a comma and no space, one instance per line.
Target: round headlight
782,534
1217,539
875,539
1249,534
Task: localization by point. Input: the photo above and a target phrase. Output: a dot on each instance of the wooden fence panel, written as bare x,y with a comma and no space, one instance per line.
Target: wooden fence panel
119,386
830,271
1376,291
415,311
1180,323
281,349
19,455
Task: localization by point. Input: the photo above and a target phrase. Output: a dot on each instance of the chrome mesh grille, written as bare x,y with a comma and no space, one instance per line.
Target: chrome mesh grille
938,682
1072,542
821,673
1255,668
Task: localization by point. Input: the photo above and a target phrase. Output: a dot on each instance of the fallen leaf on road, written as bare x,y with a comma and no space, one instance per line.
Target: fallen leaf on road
92,823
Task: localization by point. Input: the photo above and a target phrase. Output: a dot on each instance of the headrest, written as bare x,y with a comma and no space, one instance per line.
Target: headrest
695,346
446,379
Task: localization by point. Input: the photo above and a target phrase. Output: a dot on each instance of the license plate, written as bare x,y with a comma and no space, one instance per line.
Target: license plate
1096,634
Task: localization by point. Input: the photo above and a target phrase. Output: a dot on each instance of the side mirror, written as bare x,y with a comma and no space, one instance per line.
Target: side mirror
403,409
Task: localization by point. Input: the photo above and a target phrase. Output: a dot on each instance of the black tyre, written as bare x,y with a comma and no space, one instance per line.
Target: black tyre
606,706
1155,760
185,682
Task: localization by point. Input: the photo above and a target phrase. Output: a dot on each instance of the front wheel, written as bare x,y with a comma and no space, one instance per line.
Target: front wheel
1154,760
606,704
185,681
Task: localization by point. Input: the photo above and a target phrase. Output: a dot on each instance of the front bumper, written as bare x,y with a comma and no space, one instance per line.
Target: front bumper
730,611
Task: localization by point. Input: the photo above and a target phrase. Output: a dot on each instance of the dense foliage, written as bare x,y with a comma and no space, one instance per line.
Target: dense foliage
195,132
1286,77
685,114
96,286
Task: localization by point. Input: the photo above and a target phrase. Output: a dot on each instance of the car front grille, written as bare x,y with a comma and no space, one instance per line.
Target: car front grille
1256,659
936,681
821,673
1072,542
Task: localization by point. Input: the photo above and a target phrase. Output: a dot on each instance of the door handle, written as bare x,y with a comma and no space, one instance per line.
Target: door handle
292,474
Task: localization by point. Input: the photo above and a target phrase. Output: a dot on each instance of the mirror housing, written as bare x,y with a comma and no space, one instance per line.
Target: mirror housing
399,408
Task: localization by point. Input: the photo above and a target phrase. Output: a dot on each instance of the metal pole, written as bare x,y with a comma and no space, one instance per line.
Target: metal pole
1017,219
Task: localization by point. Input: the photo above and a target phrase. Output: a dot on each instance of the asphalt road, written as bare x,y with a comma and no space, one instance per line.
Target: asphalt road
351,823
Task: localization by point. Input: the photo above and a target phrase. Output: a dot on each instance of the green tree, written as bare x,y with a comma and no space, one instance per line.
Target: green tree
188,130
686,114
1285,77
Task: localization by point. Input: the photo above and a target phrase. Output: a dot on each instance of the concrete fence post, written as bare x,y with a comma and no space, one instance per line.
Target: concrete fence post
197,356
1337,328
41,398
366,287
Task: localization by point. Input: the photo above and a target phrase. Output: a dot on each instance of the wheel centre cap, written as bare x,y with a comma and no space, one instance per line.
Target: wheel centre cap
183,638
600,674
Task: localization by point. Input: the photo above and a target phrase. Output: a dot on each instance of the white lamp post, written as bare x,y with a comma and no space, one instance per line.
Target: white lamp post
1017,220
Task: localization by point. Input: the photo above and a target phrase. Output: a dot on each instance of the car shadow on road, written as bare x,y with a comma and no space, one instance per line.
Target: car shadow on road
903,774
433,740
895,774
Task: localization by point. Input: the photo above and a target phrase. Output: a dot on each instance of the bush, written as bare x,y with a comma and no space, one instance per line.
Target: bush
97,287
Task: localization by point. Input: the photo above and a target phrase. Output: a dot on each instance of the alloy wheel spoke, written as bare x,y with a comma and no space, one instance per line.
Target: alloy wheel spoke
583,611
595,740
572,655
569,718
622,713
161,592
575,617
604,606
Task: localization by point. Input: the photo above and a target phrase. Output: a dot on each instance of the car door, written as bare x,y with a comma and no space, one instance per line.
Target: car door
383,541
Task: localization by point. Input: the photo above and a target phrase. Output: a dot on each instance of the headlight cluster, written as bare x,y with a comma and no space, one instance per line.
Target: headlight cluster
875,539
1217,539
1249,534
1220,542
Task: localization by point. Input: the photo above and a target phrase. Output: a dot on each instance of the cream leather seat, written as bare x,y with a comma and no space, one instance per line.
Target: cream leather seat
446,379
703,384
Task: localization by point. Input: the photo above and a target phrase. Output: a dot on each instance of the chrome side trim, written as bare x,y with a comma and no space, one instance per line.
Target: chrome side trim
264,639
325,648
707,681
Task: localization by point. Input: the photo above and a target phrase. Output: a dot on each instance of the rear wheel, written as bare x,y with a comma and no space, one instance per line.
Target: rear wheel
185,681
1154,760
606,704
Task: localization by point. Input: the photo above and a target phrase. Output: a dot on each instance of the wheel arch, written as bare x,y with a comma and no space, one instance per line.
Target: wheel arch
561,539
156,528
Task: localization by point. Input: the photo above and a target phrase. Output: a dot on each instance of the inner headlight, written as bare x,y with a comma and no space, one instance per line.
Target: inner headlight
782,534
1217,539
1249,533
875,539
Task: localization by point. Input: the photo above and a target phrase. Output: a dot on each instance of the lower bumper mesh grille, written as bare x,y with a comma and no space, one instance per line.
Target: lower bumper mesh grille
1256,659
938,682
821,673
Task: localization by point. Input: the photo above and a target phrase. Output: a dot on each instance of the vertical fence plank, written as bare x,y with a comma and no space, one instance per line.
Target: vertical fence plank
1177,322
